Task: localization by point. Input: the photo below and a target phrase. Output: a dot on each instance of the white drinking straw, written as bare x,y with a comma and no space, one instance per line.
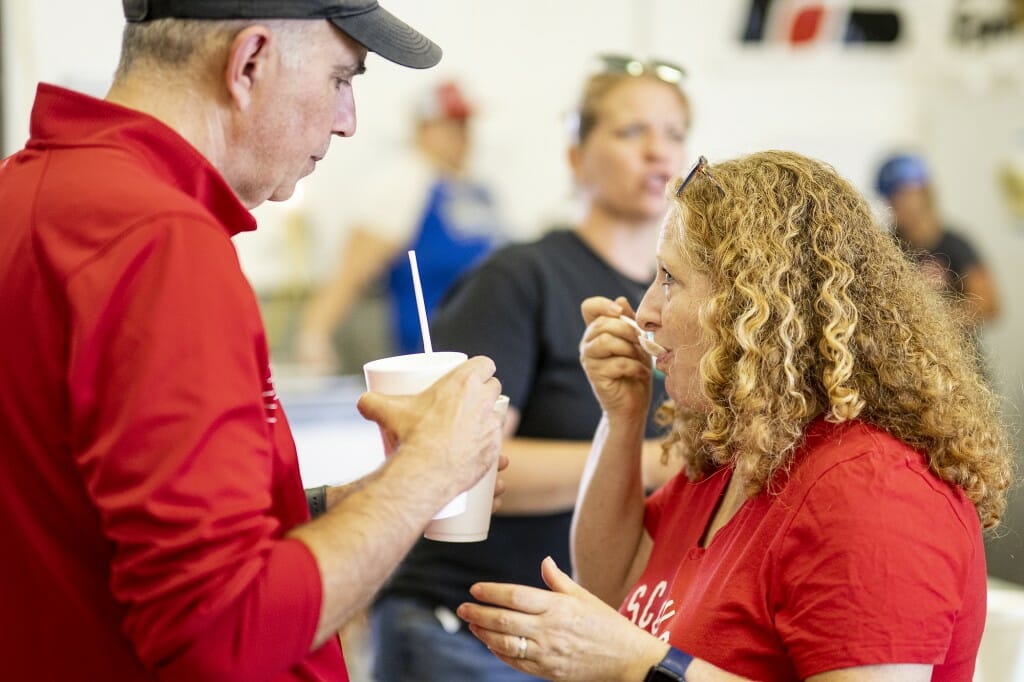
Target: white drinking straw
419,303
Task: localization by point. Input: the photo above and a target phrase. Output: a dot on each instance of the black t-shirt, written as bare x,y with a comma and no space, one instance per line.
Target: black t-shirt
521,307
952,255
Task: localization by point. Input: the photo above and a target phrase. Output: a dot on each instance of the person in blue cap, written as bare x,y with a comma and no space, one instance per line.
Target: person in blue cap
951,262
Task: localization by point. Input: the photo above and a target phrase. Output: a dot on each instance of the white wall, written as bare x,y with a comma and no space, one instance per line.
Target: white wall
524,62
72,43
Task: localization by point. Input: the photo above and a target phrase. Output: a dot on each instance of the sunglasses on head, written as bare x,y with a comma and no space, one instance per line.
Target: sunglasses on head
665,71
701,167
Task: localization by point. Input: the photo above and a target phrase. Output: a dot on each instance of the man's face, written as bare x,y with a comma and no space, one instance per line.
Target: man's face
301,104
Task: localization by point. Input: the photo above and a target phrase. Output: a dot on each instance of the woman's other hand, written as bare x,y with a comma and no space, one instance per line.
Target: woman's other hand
563,634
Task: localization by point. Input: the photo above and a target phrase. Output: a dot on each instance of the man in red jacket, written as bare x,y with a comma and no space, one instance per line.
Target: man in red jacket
152,513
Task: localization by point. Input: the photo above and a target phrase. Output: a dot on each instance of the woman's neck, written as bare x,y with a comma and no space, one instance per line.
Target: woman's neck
626,246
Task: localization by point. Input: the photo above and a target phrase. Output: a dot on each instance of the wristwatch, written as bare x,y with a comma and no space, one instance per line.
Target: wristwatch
316,500
672,668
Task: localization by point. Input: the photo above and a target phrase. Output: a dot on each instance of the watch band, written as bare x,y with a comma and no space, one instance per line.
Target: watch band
672,668
316,500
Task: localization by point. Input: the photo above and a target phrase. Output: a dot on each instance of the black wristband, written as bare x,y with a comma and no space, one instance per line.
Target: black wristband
672,668
316,500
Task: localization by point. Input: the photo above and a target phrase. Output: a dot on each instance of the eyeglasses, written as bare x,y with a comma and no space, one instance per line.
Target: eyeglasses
700,167
665,71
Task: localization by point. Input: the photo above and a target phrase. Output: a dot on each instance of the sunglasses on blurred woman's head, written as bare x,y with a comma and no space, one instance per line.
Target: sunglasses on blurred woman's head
699,168
666,71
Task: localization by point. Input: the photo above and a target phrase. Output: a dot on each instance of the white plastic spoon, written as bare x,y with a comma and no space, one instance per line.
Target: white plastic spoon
650,346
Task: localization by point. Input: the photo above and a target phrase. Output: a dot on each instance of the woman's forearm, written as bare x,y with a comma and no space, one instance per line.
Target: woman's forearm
607,530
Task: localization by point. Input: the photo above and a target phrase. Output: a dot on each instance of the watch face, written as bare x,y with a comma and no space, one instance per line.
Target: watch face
662,674
672,668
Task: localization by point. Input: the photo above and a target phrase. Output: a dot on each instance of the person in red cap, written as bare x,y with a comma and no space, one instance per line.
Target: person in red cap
426,200
154,520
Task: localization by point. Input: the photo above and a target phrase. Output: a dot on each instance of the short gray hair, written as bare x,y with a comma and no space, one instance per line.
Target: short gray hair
174,43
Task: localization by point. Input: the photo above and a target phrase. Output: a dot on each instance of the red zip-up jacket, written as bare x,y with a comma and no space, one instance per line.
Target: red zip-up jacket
149,475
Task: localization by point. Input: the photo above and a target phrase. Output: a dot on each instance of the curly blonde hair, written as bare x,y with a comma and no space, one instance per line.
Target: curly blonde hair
814,310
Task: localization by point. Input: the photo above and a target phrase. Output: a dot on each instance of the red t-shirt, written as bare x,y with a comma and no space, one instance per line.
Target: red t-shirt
863,557
149,473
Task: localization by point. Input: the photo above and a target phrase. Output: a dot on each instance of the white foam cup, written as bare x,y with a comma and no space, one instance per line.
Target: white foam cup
409,374
473,524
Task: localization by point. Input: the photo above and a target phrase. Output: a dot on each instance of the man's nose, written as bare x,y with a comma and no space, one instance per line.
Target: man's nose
345,121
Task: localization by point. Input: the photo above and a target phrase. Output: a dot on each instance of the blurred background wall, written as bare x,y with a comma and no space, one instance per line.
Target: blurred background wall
843,80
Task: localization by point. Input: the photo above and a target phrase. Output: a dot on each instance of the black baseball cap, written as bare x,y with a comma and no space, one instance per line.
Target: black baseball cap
364,20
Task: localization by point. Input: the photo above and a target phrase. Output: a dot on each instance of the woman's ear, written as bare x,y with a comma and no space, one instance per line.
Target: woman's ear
575,158
248,63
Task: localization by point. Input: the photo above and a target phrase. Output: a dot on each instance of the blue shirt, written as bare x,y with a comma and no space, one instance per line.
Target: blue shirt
457,228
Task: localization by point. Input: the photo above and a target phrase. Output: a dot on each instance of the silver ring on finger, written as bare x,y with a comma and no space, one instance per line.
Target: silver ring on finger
521,650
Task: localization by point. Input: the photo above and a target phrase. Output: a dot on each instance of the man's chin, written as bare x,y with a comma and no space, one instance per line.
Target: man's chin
283,193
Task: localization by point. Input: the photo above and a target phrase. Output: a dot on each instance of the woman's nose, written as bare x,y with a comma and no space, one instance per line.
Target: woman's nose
647,315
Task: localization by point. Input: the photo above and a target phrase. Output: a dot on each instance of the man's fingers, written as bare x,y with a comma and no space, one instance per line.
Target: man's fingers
469,375
494,384
381,408
479,367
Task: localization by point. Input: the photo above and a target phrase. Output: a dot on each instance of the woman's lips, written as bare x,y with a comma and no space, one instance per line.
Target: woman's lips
656,183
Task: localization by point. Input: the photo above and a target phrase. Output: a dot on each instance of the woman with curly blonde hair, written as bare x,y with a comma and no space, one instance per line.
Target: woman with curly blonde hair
841,456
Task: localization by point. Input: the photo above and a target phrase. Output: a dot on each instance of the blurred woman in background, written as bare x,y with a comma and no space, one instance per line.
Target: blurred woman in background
521,308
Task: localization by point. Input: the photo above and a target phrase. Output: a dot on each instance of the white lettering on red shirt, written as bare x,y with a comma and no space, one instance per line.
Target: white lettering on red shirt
650,615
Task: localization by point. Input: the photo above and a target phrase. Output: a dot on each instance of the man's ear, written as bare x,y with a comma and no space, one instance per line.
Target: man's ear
248,63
